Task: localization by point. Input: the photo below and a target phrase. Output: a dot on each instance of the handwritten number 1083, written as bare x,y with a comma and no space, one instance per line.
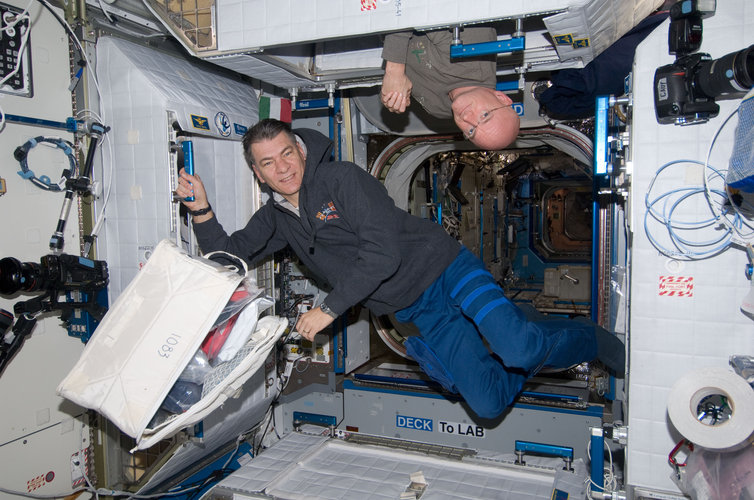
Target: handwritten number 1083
167,348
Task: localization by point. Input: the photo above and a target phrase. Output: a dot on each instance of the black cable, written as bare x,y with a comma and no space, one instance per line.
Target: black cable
297,302
214,477
274,423
266,428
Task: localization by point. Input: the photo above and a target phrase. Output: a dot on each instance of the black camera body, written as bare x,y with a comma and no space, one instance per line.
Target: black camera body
54,272
685,91
677,98
67,283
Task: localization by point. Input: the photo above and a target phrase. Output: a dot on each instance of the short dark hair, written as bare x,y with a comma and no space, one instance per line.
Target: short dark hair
264,130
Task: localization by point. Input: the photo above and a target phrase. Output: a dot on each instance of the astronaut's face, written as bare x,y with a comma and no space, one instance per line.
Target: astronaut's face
485,117
279,162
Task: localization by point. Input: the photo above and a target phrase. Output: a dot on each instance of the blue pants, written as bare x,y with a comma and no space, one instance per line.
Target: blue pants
465,304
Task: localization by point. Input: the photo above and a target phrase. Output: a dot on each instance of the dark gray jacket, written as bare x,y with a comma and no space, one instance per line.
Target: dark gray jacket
349,233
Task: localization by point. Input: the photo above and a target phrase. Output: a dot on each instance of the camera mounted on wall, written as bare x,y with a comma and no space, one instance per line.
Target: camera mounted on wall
55,276
685,91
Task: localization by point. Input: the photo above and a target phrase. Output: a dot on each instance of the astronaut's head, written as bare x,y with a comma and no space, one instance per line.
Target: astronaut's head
485,116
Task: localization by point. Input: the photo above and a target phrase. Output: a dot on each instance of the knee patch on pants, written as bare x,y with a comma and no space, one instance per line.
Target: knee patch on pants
430,363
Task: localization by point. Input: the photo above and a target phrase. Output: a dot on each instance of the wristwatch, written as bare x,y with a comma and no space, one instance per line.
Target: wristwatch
201,211
327,310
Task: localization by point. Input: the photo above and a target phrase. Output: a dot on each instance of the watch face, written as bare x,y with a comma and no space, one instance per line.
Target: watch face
326,309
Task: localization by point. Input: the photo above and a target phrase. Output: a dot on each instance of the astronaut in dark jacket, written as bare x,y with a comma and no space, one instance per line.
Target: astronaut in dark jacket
345,228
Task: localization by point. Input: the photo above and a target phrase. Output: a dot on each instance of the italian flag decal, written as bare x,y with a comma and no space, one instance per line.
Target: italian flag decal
275,107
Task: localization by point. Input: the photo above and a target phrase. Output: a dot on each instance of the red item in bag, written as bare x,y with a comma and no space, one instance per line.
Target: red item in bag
215,339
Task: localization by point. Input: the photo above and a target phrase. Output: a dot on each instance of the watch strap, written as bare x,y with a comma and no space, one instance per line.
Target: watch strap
325,309
201,211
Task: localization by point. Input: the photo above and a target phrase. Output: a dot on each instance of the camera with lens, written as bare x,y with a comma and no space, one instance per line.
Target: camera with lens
80,279
53,273
685,91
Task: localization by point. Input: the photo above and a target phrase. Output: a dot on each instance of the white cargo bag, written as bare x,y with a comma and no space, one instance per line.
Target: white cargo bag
224,382
149,335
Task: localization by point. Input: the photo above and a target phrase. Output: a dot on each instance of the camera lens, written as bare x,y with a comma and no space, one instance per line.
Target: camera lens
731,74
16,275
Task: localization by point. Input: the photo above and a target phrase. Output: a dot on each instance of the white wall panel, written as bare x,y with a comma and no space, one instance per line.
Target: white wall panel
671,336
38,430
141,86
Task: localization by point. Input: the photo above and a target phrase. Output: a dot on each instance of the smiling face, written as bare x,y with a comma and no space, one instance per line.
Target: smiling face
469,105
279,162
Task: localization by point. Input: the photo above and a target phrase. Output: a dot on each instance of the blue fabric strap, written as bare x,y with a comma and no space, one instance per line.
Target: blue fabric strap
489,307
463,281
476,293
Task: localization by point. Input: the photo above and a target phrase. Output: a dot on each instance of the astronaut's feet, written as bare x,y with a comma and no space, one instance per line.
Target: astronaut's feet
611,351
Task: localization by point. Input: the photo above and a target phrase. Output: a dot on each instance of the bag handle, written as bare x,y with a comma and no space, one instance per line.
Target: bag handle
231,257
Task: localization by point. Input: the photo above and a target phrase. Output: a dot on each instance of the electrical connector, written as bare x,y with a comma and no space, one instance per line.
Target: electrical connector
288,368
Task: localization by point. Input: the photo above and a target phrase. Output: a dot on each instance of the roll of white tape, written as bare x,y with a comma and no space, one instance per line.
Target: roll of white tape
703,385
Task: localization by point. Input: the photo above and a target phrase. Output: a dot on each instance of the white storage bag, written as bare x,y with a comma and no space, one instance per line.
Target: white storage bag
149,335
224,382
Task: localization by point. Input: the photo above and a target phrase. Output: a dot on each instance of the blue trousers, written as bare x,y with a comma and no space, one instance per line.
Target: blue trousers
465,304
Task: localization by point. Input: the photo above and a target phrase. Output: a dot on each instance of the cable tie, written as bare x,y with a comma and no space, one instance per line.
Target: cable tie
25,174
75,80
40,184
